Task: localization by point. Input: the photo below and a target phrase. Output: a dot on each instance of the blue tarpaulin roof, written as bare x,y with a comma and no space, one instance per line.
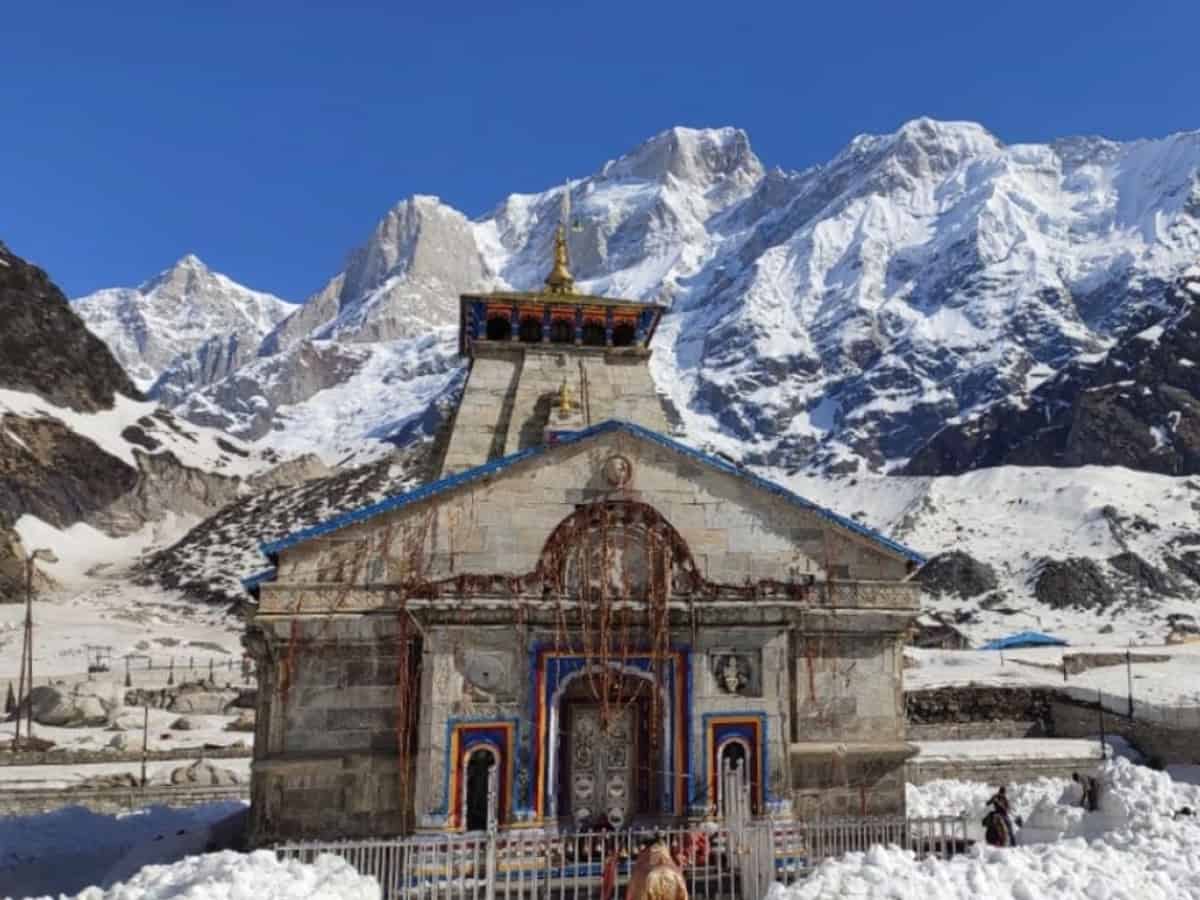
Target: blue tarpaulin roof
1024,639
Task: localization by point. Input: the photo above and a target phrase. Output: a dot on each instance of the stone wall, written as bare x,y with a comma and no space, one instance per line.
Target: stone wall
482,412
967,712
978,711
80,757
1159,743
1000,772
506,404
112,801
766,695
848,688
1075,663
976,731
472,674
831,785
325,752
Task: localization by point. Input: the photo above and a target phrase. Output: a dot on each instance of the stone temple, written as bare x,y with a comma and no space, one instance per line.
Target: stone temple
581,622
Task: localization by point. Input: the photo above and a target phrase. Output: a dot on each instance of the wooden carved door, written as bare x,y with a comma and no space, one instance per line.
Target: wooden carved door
601,775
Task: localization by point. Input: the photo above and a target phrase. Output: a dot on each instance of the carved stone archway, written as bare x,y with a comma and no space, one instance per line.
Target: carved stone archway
617,548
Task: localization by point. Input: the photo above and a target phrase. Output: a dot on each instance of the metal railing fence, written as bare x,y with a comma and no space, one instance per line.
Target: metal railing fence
718,862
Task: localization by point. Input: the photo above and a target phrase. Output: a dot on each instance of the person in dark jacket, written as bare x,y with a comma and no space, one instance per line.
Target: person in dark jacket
1085,797
998,825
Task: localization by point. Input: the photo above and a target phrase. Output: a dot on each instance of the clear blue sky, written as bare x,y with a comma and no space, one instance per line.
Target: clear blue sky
269,137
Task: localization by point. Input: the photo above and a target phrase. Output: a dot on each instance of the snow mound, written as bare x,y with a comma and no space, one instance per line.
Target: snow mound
1136,793
236,876
1131,797
1130,865
950,797
1132,848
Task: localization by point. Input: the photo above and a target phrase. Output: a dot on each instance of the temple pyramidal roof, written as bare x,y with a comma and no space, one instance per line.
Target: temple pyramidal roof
427,491
559,303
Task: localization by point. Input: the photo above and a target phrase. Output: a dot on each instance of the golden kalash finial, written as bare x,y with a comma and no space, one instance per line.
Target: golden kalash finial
566,402
559,281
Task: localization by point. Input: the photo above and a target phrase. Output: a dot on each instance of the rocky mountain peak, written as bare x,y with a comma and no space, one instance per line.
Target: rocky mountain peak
420,237
184,273
162,322
701,157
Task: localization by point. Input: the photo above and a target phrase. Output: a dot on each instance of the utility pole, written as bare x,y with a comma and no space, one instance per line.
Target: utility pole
26,676
145,740
1129,680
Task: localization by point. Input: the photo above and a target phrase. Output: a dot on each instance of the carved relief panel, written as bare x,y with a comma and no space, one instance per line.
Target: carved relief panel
736,672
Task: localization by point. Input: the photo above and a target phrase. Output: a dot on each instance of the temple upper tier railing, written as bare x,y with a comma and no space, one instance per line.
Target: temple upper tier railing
572,320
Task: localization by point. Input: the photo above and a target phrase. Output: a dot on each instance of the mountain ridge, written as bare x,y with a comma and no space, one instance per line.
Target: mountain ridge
828,319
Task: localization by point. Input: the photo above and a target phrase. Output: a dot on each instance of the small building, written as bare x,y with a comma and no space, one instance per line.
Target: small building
581,622
932,632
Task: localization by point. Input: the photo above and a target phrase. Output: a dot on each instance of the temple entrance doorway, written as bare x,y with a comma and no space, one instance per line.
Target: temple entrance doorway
609,752
480,793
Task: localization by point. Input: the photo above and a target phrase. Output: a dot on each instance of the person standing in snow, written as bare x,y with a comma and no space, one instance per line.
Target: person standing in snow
1084,789
997,823
1092,794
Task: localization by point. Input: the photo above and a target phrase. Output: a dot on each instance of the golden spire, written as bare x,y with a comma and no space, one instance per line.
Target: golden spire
560,281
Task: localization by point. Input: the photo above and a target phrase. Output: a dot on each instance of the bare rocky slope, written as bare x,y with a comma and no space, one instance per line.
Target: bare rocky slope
79,444
1137,406
211,560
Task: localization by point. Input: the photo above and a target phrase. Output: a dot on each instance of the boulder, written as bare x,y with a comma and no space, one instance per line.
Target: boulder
183,723
203,773
247,698
244,721
201,698
108,782
120,741
1073,583
73,706
958,574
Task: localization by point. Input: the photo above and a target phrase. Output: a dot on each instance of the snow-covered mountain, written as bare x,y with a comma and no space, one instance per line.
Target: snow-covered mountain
831,319
191,321
1137,406
81,449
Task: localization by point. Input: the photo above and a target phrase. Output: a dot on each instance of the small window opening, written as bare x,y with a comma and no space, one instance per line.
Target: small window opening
531,330
498,329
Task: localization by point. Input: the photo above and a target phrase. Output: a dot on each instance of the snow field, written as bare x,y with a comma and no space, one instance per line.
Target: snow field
193,445
949,797
1132,848
1126,866
236,876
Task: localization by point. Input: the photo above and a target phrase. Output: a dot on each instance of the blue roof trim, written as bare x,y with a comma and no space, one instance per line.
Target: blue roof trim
424,492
